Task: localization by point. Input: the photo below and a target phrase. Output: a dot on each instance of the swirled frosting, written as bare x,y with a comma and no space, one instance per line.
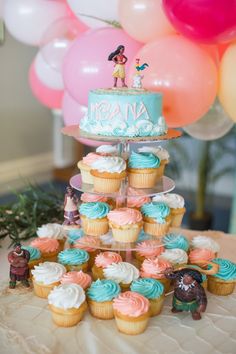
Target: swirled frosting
90,158
86,243
48,272
107,150
51,231
89,198
111,164
80,278
156,211
137,198
74,235
104,259
67,296
143,160
122,272
103,290
199,254
73,256
45,245
173,200
149,249
154,268
175,256
205,242
173,240
227,269
148,287
159,151
95,210
124,216
34,252
131,304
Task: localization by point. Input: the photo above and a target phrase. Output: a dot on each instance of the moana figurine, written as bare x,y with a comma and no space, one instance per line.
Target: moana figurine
19,269
119,59
71,214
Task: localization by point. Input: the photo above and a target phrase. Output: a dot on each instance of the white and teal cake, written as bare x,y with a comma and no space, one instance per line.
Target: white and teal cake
124,112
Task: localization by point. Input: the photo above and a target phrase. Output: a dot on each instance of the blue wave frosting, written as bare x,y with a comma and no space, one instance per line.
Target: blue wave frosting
143,160
156,211
94,210
148,287
174,240
34,252
103,290
227,269
74,235
73,256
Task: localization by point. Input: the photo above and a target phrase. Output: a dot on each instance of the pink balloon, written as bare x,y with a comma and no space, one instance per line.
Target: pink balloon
209,21
48,97
184,73
86,66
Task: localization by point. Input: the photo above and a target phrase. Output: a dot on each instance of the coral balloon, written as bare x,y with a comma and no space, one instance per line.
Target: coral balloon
209,21
184,73
86,65
144,20
45,95
227,84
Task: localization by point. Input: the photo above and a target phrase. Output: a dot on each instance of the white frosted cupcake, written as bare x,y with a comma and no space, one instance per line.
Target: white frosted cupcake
85,167
176,256
205,242
161,153
68,304
122,273
53,231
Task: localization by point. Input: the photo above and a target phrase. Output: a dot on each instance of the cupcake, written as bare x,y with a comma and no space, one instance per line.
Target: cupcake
48,247
161,153
85,167
46,276
200,254
103,260
153,290
94,218
74,259
90,244
205,242
155,268
176,256
156,217
54,231
143,169
126,224
136,198
79,278
122,273
107,150
223,282
68,304
148,249
174,240
35,256
100,296
74,235
108,173
131,312
91,198
176,204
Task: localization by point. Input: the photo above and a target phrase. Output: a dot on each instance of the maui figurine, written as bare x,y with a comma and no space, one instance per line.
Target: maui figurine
19,269
71,214
119,59
137,78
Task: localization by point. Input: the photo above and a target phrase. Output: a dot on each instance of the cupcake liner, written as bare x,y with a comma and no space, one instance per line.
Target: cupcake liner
69,317
129,234
131,325
42,290
153,228
102,310
106,185
142,178
85,173
161,168
92,256
219,286
94,227
50,257
204,284
177,216
124,287
156,305
97,272
77,267
61,243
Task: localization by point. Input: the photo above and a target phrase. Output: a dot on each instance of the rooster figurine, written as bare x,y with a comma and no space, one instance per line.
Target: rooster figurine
137,78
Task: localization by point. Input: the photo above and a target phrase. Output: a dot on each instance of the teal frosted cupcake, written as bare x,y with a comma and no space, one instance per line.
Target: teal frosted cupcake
174,240
156,217
100,296
143,169
35,256
94,218
74,259
223,282
153,290
74,235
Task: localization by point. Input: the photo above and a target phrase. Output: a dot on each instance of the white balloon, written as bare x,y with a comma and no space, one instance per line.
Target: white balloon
27,20
50,77
101,9
212,126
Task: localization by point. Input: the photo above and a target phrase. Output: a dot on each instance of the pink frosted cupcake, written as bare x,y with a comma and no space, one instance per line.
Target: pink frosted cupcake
90,198
126,224
48,247
136,198
85,167
148,249
155,268
200,254
86,243
103,260
80,278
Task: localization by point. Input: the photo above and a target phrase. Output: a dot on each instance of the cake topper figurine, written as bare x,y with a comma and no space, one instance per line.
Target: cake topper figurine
119,59
137,78
71,214
19,269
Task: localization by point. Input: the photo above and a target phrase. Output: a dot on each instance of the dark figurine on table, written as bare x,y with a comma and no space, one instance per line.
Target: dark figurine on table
19,269
120,60
71,214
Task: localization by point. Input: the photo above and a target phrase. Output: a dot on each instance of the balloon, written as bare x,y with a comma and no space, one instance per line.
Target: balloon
212,126
27,20
144,20
209,21
45,95
184,73
86,65
227,81
93,13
